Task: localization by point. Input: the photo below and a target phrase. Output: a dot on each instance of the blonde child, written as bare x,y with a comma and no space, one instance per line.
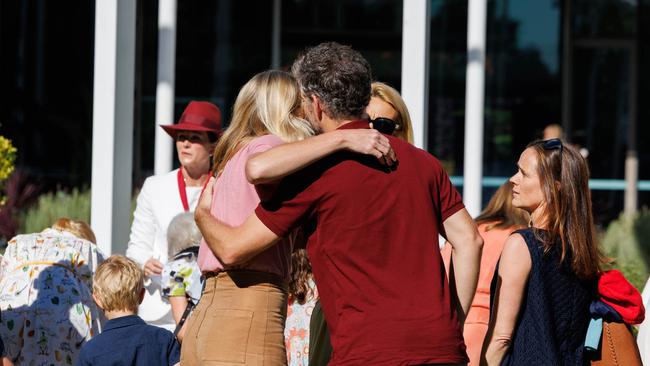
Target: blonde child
118,289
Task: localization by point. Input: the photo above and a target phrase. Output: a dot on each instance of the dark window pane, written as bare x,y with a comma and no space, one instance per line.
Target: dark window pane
373,27
601,108
47,88
604,18
448,60
522,79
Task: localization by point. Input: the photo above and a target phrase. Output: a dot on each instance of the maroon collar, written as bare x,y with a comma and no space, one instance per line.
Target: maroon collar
356,124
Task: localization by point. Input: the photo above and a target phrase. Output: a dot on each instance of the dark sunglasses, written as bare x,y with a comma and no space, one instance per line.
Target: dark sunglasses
191,137
384,125
553,144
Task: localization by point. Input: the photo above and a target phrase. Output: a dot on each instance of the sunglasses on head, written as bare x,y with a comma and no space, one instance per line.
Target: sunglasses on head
384,125
553,144
191,137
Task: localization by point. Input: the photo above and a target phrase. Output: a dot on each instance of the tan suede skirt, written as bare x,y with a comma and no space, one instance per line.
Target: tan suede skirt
238,321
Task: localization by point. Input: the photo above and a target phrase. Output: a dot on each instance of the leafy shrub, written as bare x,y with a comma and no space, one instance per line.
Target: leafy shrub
7,159
51,206
627,241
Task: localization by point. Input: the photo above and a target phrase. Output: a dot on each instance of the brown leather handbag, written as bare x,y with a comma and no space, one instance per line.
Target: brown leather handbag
617,347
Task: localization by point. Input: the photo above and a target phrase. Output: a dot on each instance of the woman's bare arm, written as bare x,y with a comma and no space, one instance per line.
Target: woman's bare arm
466,246
514,269
178,303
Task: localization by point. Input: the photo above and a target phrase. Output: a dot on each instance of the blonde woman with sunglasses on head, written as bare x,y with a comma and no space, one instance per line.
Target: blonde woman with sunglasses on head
386,102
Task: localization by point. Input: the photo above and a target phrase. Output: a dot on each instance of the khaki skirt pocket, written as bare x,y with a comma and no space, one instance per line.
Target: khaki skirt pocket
223,335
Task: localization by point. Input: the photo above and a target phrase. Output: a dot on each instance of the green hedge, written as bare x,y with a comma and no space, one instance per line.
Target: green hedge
51,206
627,241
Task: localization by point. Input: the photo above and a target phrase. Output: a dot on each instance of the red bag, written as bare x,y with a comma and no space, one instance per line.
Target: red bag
618,293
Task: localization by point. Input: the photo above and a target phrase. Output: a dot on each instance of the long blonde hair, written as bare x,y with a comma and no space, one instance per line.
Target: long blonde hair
391,96
267,104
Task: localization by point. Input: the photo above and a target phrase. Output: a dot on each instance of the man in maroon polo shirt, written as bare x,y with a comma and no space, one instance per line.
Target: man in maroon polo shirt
372,231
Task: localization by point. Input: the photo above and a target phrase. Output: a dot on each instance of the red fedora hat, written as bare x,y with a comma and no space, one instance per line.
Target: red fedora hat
197,116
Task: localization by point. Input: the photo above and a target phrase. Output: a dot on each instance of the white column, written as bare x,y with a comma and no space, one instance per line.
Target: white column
631,183
164,146
113,123
474,99
415,66
631,196
276,34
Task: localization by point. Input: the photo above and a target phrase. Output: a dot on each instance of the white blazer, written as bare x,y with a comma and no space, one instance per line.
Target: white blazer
158,203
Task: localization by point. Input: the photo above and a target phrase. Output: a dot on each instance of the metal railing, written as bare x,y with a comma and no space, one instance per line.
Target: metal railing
594,184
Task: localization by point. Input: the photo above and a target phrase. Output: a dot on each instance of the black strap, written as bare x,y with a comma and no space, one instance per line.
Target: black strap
186,313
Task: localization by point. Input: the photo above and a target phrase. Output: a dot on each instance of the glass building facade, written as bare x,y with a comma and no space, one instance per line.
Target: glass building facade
577,63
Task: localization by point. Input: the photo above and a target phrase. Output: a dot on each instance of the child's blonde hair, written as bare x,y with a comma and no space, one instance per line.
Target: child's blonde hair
118,284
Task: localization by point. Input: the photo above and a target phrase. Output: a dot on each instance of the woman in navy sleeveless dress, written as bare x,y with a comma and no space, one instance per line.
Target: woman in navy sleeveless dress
546,277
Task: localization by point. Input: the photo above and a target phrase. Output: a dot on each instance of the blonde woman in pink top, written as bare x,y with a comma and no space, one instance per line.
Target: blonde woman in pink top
240,317
499,219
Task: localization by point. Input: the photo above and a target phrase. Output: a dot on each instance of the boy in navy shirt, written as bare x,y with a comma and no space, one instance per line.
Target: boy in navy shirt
118,289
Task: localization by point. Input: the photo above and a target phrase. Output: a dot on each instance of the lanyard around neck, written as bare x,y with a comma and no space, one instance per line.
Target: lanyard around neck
183,193
181,190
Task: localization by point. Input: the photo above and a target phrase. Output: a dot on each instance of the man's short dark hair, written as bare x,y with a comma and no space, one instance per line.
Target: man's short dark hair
338,75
